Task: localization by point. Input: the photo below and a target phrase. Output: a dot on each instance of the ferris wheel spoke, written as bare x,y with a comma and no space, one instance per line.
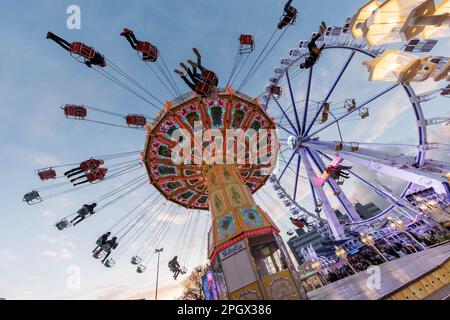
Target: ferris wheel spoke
285,115
287,165
297,119
338,126
313,194
299,159
308,91
285,129
371,99
330,91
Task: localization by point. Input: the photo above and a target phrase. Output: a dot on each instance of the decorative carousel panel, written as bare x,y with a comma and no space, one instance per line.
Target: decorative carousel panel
226,228
250,292
281,286
184,183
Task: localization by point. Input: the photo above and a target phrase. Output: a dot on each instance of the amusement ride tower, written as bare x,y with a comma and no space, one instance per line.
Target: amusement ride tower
248,257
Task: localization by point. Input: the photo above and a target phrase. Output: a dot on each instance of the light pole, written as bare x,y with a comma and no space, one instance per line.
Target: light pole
158,251
318,268
400,226
342,254
368,239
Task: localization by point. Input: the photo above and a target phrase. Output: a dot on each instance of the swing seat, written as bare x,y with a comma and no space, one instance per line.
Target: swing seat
287,203
149,51
46,174
288,17
109,263
203,88
82,50
143,46
136,260
246,43
99,254
32,198
183,270
90,164
97,174
106,247
74,112
141,268
63,224
209,77
136,120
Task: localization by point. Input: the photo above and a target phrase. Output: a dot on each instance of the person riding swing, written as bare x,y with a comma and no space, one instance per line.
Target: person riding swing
91,57
203,83
314,51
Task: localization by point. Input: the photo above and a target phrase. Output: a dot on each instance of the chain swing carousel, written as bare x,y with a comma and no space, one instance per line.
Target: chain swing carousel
243,241
247,255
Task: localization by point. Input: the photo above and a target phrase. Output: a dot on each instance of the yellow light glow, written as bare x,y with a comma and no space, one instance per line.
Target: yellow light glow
386,24
432,32
359,19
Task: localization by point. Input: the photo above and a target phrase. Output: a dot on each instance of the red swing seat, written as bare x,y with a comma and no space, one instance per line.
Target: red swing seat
150,52
203,88
288,17
136,120
75,112
209,80
82,50
209,77
97,175
46,174
247,43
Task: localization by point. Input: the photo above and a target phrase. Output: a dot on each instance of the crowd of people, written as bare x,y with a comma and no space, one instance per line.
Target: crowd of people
390,247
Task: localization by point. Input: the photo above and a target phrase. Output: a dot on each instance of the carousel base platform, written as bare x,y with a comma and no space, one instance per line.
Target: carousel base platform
421,276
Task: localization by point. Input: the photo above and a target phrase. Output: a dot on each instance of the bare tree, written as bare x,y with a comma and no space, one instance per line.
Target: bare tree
192,285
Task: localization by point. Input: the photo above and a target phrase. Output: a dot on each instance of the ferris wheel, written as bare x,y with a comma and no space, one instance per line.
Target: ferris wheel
319,151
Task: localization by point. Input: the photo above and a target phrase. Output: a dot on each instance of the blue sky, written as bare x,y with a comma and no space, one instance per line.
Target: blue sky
36,77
